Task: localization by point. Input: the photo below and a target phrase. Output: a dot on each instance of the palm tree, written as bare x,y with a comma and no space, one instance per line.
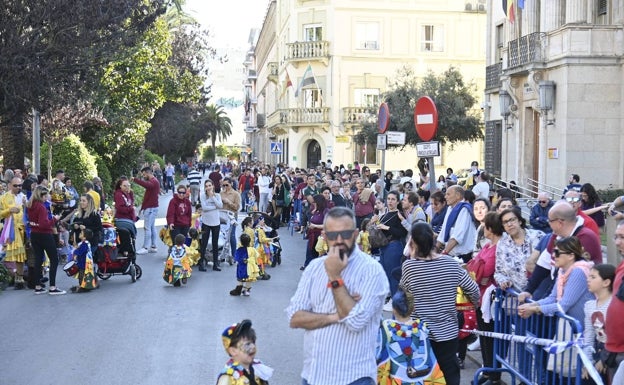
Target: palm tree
218,124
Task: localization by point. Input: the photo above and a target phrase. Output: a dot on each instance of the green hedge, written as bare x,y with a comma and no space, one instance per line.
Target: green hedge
608,196
73,157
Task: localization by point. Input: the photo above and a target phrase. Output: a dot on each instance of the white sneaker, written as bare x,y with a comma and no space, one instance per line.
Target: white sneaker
475,345
388,306
153,250
142,251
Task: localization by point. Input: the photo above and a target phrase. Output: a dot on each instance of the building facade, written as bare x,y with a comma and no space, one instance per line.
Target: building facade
319,68
553,91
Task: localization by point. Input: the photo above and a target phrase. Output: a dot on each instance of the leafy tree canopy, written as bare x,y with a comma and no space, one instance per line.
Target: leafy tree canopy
454,99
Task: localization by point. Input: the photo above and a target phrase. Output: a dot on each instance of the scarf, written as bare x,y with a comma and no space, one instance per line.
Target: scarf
452,218
585,266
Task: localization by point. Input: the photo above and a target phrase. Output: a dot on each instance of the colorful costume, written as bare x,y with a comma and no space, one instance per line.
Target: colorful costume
15,250
84,260
193,251
165,236
178,265
404,354
321,246
363,242
247,264
239,376
264,248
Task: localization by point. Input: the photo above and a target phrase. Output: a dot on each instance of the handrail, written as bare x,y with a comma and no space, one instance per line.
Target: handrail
539,186
521,192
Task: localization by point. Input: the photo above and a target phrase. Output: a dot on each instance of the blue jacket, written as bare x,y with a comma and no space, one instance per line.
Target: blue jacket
539,217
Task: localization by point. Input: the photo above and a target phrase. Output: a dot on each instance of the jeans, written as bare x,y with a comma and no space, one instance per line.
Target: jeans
44,243
210,232
169,183
150,227
245,196
359,381
194,193
264,202
391,255
233,239
445,353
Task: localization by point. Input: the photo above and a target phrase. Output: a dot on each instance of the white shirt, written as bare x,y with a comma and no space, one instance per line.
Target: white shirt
482,190
263,184
464,232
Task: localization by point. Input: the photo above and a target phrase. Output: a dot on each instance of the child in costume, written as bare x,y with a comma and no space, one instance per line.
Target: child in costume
404,354
362,239
246,266
239,341
247,226
64,248
192,241
84,259
251,202
177,266
321,246
263,246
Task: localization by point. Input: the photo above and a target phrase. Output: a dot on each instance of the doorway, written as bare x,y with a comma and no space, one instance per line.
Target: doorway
313,154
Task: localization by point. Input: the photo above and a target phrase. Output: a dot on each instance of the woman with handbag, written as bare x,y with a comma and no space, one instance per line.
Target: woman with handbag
392,252
279,197
315,227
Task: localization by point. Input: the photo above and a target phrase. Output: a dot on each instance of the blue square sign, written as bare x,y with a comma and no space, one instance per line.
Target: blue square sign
276,148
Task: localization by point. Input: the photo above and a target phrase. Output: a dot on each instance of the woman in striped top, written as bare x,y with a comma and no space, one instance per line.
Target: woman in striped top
433,280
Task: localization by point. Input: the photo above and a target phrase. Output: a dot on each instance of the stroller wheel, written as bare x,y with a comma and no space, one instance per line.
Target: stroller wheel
104,276
139,271
132,272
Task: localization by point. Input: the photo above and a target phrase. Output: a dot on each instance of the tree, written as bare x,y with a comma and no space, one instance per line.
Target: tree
234,153
454,99
222,150
215,120
53,53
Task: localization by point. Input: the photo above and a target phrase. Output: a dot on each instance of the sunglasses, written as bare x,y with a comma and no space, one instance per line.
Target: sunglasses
181,192
225,185
345,234
558,252
543,202
17,185
573,200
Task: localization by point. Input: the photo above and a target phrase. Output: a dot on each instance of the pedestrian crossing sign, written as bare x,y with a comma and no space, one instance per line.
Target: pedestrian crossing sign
276,148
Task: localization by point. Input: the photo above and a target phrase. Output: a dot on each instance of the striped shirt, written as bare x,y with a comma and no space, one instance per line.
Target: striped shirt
341,353
194,178
434,283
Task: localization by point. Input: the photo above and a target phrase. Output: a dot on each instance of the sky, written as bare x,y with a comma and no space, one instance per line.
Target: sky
228,21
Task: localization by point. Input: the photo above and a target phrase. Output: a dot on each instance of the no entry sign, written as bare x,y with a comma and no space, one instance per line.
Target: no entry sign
383,118
426,118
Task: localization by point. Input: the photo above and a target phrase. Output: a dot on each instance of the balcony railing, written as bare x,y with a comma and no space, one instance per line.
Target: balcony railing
358,115
304,116
492,76
307,50
527,49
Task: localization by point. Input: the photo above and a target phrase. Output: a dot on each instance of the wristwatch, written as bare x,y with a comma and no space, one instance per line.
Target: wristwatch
335,284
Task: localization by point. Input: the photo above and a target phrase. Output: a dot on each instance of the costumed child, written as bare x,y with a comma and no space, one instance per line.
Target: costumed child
321,246
599,283
239,341
263,247
251,202
362,239
192,241
247,227
64,248
246,266
405,355
84,259
177,266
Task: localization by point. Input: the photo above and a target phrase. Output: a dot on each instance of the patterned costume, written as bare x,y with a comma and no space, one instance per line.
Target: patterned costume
193,251
263,247
247,264
178,265
363,241
238,375
404,354
15,251
84,260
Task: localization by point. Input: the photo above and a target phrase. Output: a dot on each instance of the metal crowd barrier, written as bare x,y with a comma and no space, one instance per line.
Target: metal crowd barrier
523,347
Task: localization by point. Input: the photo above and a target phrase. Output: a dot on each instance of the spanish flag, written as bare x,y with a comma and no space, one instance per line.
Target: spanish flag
508,8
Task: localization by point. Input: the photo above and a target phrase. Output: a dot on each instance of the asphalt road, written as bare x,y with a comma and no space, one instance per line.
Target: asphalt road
149,332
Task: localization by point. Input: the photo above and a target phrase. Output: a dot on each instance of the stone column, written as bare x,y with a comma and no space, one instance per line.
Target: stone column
576,11
531,17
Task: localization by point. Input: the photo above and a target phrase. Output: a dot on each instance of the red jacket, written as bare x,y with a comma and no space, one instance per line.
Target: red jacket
152,189
39,220
243,179
124,205
179,212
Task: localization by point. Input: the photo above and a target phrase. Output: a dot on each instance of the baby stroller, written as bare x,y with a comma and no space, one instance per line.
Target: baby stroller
117,255
225,249
274,224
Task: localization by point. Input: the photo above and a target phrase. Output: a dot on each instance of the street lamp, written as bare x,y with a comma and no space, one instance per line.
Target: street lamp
547,99
506,102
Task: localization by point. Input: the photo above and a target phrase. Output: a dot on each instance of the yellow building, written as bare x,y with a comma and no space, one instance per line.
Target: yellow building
340,54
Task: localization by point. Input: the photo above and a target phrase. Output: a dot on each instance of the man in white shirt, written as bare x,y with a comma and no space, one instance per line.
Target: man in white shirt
458,234
263,186
482,188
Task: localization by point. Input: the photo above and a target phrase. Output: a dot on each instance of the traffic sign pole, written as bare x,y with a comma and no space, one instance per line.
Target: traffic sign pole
383,121
426,123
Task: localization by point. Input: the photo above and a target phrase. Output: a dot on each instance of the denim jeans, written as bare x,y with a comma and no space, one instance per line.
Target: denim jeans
149,217
359,381
233,239
264,202
391,255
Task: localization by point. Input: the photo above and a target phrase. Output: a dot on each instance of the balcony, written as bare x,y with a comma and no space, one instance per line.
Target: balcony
493,75
281,120
352,116
308,50
252,75
273,72
261,120
526,50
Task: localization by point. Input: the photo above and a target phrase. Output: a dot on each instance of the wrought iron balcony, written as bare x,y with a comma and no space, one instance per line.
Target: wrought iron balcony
358,115
526,50
493,75
307,50
299,117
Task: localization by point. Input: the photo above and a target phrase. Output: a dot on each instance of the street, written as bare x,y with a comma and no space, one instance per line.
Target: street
149,332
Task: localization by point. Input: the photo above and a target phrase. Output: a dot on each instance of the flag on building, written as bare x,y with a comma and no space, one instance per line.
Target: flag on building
287,83
508,8
307,80
521,4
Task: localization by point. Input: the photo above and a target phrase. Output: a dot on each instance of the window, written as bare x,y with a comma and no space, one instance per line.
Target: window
367,35
313,98
312,32
602,7
366,97
432,38
500,42
366,153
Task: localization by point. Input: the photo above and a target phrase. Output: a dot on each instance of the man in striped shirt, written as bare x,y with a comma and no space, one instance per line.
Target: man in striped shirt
339,303
194,180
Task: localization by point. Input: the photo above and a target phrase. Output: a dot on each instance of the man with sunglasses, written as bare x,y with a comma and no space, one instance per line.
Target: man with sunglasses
12,206
573,197
615,314
539,213
339,303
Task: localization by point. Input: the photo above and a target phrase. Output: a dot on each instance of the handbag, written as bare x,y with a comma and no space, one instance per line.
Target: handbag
376,236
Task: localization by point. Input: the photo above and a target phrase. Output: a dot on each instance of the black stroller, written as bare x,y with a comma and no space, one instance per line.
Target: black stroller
274,224
117,256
